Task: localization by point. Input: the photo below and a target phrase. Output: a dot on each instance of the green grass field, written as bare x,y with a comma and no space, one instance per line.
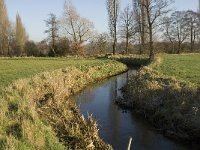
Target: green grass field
37,111
184,67
17,68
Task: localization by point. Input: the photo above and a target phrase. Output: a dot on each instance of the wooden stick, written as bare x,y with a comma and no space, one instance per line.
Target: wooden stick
129,143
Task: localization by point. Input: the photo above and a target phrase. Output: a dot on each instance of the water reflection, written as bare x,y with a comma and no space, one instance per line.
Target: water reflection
86,97
115,125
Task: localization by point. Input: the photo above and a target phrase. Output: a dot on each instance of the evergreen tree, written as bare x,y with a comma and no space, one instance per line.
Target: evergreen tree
4,29
21,37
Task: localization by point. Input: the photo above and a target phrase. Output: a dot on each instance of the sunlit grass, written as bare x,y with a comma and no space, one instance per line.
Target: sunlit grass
16,68
184,67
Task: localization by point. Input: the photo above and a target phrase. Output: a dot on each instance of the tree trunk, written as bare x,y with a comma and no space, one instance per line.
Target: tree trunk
9,51
140,38
142,43
151,49
127,41
191,46
143,26
140,49
191,38
114,46
152,55
115,39
173,48
179,47
115,29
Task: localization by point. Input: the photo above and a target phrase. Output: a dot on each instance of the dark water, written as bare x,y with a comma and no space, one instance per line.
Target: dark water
116,125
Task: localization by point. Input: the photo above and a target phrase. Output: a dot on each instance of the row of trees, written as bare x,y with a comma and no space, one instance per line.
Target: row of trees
12,37
145,26
80,34
181,27
141,21
147,21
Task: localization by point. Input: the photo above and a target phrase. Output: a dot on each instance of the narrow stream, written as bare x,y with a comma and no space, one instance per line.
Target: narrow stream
117,125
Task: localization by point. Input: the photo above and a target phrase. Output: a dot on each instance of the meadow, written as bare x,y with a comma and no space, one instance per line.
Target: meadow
12,69
184,67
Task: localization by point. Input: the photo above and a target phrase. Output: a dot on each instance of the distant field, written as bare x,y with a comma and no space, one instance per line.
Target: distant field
185,67
16,68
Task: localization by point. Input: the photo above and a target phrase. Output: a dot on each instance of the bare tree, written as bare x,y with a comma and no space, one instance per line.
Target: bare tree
179,28
53,27
154,10
113,12
127,25
102,42
193,26
78,29
140,21
168,32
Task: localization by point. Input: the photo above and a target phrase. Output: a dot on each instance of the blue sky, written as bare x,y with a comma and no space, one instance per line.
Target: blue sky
34,12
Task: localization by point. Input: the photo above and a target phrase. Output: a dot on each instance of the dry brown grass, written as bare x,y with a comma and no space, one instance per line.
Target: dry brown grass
169,104
36,113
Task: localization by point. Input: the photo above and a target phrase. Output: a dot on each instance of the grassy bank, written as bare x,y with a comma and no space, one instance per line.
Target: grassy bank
37,113
170,104
182,67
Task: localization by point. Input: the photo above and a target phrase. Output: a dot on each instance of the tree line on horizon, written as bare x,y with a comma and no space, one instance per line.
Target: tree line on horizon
151,26
13,36
143,27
